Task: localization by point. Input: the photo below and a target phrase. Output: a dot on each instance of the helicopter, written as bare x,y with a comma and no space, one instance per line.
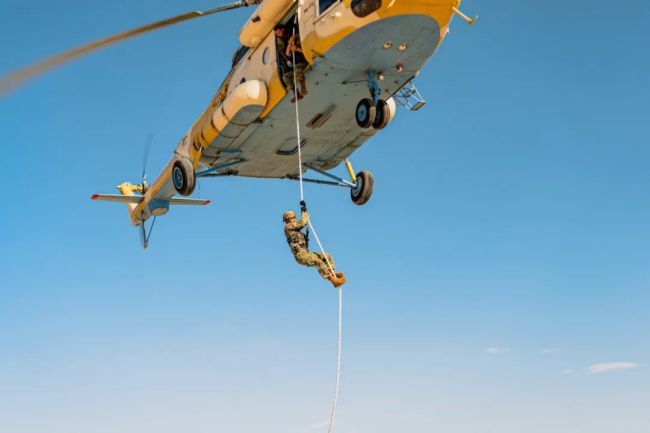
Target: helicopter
361,56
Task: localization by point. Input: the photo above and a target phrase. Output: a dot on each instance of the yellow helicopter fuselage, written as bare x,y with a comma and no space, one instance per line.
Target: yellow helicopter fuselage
249,127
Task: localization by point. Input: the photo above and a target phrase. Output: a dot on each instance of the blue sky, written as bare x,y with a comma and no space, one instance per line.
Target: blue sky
502,259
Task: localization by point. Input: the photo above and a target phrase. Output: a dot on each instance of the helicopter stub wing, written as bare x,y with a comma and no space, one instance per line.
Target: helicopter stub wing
135,199
188,202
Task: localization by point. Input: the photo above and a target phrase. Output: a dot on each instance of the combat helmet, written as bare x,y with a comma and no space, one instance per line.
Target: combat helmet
288,215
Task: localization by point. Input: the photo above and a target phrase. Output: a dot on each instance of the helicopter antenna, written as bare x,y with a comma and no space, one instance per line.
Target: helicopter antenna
18,77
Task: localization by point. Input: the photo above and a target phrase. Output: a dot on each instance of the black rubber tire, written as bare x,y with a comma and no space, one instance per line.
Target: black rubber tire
363,191
382,117
183,177
365,113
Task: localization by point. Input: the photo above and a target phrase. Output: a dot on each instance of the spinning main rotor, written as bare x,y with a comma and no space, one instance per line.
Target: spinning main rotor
15,79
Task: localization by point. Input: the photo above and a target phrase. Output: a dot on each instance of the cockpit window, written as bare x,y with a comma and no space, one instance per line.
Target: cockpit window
323,5
239,54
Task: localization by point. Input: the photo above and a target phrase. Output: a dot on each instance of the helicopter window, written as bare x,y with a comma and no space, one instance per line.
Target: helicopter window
265,55
239,54
323,5
363,8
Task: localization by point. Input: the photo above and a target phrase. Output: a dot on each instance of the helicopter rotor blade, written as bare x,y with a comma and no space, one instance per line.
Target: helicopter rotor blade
19,76
145,156
144,241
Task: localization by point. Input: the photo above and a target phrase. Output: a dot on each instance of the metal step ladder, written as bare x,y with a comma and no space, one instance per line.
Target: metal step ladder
409,97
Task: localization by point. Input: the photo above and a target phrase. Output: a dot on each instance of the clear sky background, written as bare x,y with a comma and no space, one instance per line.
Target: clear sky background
504,254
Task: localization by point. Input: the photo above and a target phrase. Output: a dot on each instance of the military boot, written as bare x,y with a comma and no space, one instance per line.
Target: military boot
336,280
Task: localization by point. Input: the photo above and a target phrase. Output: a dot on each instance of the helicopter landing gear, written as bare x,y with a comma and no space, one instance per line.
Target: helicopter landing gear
361,185
373,111
383,114
375,115
366,113
183,177
362,191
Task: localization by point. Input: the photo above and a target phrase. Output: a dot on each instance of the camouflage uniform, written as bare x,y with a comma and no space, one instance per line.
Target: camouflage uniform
298,243
288,80
288,66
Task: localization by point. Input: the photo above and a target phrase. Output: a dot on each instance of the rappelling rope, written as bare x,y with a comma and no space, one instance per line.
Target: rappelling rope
338,363
295,95
320,245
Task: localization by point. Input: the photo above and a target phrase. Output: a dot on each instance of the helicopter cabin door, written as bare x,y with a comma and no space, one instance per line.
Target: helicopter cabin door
306,18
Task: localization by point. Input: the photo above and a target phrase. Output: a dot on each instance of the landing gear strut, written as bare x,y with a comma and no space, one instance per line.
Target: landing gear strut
361,185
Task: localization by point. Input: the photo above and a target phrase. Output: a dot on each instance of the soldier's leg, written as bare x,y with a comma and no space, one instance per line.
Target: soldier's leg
313,260
300,76
287,78
331,262
327,257
327,261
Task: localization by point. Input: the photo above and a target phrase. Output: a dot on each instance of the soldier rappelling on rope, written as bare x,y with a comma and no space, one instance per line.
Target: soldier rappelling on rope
299,245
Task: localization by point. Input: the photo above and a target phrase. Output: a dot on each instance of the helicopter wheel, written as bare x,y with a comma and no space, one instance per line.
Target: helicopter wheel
366,113
362,192
183,177
382,117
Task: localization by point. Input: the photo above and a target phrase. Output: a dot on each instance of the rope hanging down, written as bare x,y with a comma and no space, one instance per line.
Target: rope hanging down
320,245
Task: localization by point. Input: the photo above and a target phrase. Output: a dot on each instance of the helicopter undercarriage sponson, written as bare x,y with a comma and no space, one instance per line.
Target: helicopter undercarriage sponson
395,48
